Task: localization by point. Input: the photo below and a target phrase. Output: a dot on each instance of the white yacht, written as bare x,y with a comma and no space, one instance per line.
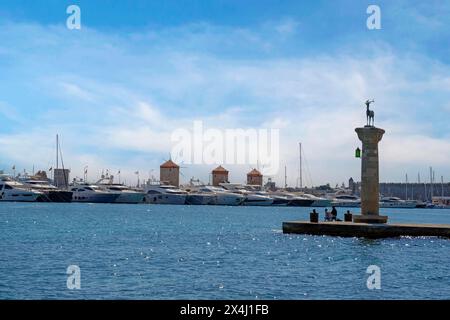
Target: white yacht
164,194
11,190
345,200
200,198
279,200
293,199
50,193
318,201
126,194
222,197
252,198
395,202
92,193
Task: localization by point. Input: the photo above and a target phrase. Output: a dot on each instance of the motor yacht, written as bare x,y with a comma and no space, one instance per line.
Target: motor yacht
164,194
317,201
198,198
92,193
345,200
283,198
221,196
251,197
395,202
279,200
50,193
126,194
12,190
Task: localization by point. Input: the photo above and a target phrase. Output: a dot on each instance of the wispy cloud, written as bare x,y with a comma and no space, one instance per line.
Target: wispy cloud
115,99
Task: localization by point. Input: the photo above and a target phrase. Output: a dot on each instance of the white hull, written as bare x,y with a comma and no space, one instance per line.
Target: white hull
11,190
257,200
349,204
321,203
258,203
94,197
130,197
92,194
223,199
19,196
406,205
165,198
200,199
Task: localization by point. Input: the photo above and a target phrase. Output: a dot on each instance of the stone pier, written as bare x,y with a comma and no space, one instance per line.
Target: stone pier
370,199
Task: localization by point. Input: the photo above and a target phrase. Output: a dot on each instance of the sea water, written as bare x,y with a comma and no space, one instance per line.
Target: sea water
208,252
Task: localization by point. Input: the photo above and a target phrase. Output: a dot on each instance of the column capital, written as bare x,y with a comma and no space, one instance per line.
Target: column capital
369,134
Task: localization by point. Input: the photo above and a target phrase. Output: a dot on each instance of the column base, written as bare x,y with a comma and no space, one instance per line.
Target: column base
370,218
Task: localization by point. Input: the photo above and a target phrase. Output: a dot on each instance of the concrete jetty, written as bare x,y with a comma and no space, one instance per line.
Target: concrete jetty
366,230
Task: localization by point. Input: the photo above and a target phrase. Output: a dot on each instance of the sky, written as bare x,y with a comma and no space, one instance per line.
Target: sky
116,89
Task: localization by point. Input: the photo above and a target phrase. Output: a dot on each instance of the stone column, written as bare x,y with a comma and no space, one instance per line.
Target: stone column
370,136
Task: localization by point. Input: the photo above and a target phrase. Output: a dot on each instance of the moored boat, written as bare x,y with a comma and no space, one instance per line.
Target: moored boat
164,194
92,194
12,190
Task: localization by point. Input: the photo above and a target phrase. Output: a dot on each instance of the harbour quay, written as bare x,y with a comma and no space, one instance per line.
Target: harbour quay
366,230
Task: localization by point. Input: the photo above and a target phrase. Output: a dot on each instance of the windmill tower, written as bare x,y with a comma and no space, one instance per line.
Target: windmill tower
255,177
219,175
169,173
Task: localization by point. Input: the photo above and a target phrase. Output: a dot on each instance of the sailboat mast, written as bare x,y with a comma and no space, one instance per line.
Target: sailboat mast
442,186
57,153
431,184
406,188
300,164
425,190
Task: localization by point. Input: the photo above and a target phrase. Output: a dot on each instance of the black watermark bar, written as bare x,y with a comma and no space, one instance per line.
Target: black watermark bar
228,309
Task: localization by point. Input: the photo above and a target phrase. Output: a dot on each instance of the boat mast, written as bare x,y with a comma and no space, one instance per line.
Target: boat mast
431,184
442,187
426,193
285,177
59,153
300,166
57,146
406,188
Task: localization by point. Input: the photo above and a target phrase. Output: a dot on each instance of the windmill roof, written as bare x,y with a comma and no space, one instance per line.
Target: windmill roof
220,169
169,164
254,172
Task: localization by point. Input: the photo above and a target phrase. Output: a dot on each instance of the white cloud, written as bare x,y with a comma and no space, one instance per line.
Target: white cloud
122,97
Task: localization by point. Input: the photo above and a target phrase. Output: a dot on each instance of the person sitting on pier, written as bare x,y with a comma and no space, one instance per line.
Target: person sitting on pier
334,214
328,215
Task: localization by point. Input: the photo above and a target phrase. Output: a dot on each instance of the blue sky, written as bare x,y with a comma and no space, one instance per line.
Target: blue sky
137,70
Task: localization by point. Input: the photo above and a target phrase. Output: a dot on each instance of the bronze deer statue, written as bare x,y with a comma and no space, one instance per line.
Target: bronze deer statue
369,113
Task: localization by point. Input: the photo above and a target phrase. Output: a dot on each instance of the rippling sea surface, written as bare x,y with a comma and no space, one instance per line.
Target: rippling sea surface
208,252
